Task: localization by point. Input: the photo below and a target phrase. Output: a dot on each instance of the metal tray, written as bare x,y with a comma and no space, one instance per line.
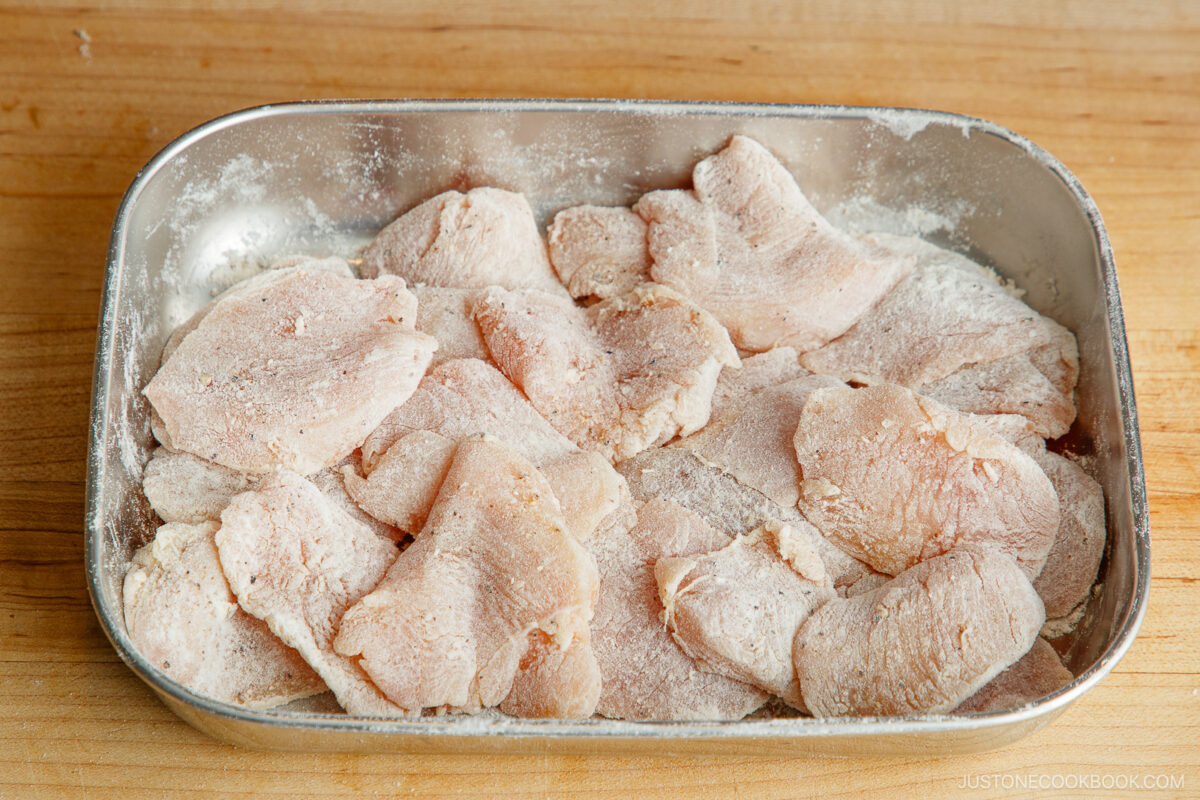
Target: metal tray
228,197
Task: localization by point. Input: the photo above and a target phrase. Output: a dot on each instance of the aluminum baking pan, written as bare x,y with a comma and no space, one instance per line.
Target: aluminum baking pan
320,178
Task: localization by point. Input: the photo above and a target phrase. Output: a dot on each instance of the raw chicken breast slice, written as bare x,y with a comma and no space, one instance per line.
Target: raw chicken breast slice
617,377
645,674
923,642
736,611
896,478
463,398
297,561
401,488
954,331
481,238
332,483
277,271
727,504
446,314
748,246
1065,582
1035,675
759,371
1012,385
450,624
553,683
752,438
948,313
293,375
598,251
182,487
182,617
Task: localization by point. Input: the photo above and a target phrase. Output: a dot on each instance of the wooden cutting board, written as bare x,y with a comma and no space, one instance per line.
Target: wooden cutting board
89,94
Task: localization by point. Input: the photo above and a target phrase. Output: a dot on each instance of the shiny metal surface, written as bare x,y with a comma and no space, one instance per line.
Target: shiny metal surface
230,196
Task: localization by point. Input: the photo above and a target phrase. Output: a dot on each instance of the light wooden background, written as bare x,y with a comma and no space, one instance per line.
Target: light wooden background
87,95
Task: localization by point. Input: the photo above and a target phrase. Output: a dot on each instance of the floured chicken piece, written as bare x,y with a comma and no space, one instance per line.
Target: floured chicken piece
450,624
279,270
1016,429
184,620
1038,673
752,438
953,327
332,483
868,582
645,673
736,611
588,489
598,251
553,683
463,398
923,642
401,488
748,246
896,478
727,504
1015,385
482,238
620,376
293,375
182,487
446,315
1065,581
759,371
297,561
467,397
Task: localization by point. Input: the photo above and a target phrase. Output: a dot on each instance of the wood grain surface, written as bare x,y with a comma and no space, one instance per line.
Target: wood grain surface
89,94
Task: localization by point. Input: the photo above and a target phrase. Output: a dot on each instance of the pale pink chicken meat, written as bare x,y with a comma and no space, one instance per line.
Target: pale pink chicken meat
183,618
645,674
182,487
921,643
293,375
553,683
617,377
954,331
463,398
1035,675
599,251
484,237
752,438
297,561
736,610
450,624
748,246
759,371
401,488
896,478
446,314
1017,385
727,504
279,270
1065,581
332,483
